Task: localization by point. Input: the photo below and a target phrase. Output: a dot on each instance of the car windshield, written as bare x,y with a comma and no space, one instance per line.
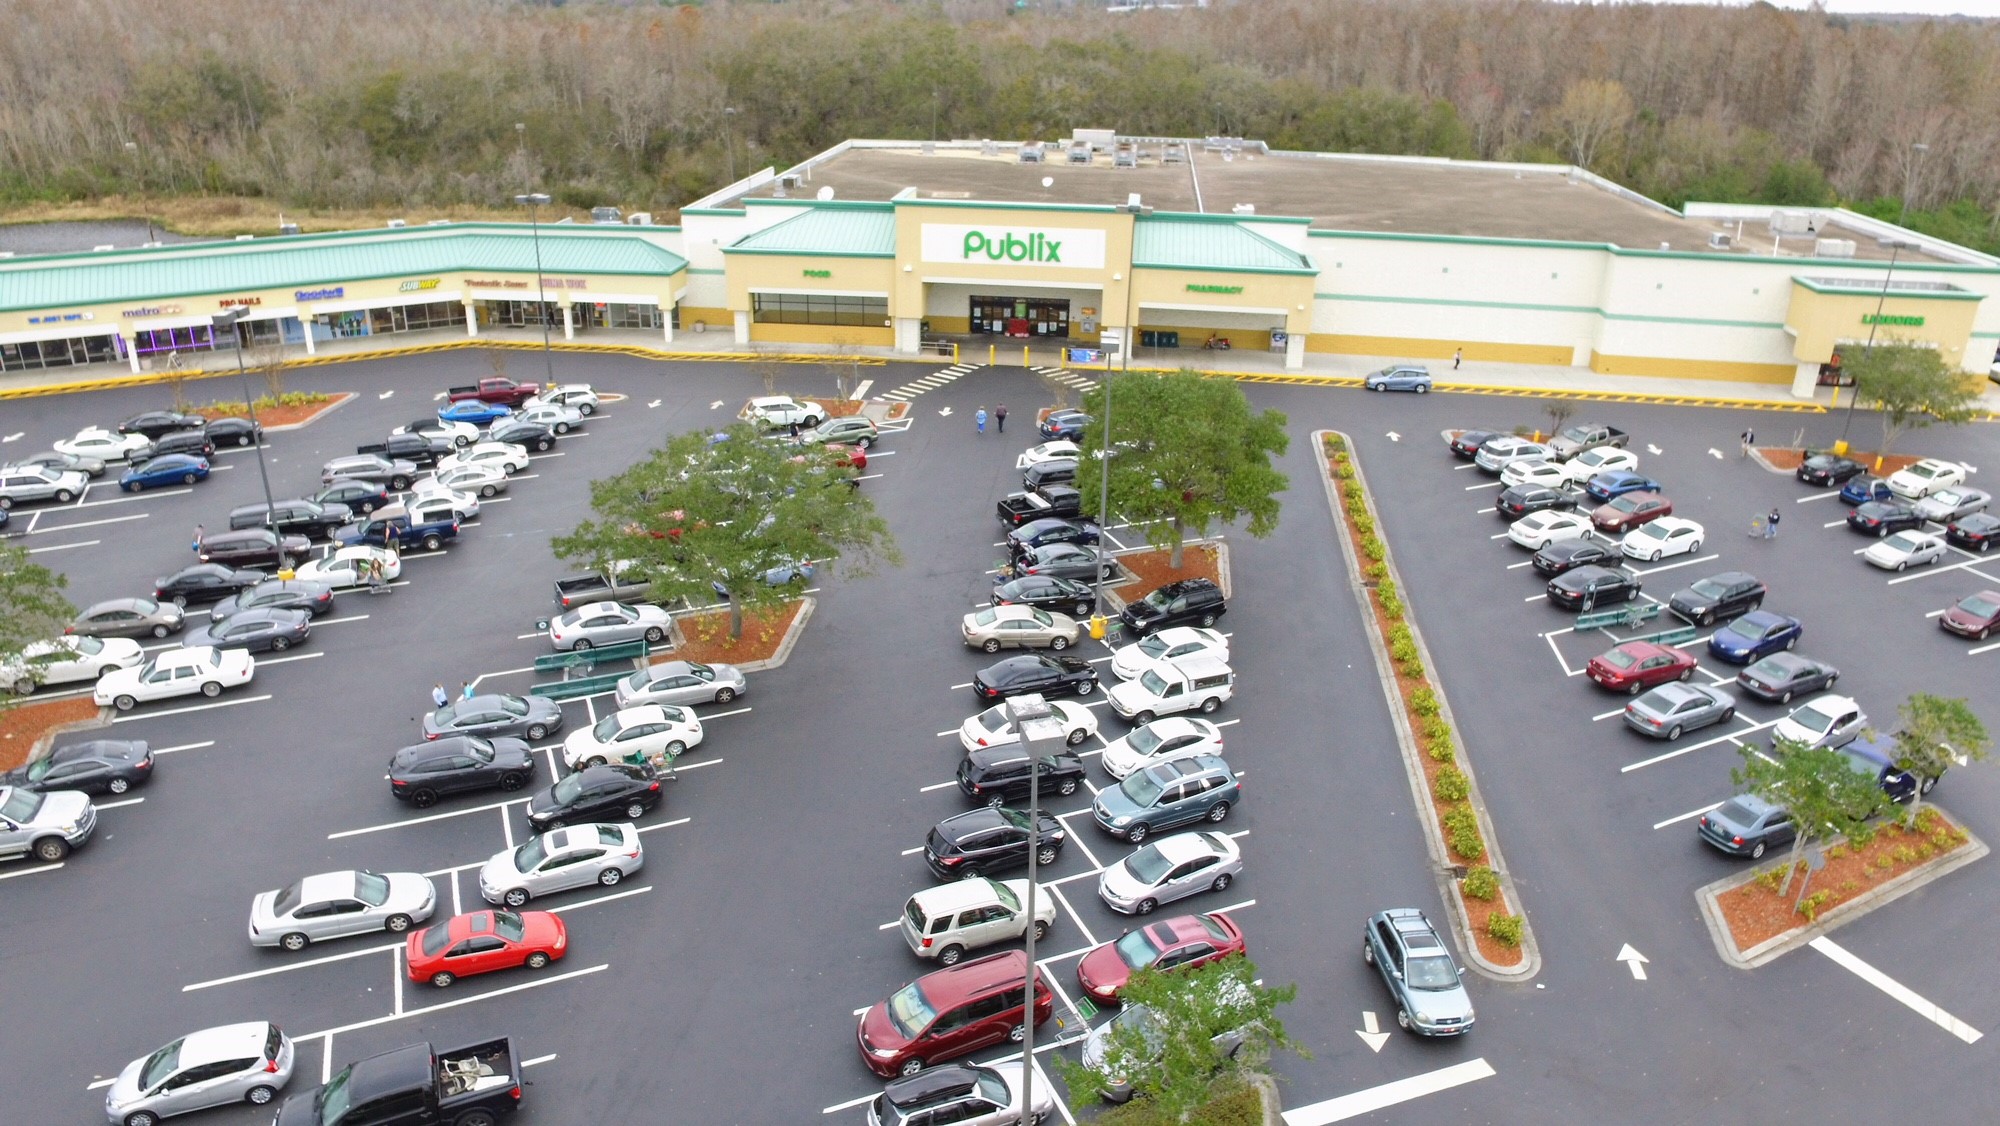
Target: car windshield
479,749
1147,865
1006,896
1981,605
1143,740
530,856
160,1064
1626,503
1431,973
1151,682
145,606
985,617
909,1011
1142,947
1159,599
1153,646
1709,588
1812,718
1015,818
335,1098
445,716
371,888
607,728
1142,788
509,926
88,646
435,939
1925,471
992,720
1620,659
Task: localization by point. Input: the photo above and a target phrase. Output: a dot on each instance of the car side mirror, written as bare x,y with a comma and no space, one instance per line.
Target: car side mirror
1398,973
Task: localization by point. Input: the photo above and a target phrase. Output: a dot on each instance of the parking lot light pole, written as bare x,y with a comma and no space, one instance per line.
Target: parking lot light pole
1895,247
1041,736
226,322
534,200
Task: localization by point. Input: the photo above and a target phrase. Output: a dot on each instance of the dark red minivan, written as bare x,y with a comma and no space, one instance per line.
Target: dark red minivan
950,1013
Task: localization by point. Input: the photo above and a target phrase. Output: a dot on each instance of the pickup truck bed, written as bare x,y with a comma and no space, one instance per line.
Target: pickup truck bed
597,586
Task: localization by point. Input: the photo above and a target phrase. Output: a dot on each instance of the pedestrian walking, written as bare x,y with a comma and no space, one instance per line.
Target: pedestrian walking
196,545
394,540
1456,356
795,429
980,420
1000,418
438,695
465,690
1749,439
1771,525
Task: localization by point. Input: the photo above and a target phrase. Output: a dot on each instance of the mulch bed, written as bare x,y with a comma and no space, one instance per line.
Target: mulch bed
1790,459
277,414
23,724
706,635
1198,561
1755,912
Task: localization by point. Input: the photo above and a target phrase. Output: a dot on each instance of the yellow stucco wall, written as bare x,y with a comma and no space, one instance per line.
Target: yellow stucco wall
1290,295
789,273
913,217
1671,368
822,334
712,319
1418,349
1821,321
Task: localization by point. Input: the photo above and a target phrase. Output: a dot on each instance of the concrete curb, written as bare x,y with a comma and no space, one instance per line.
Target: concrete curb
1777,946
1406,741
47,742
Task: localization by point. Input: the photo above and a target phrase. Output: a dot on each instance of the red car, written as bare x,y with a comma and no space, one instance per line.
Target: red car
951,1012
484,941
1975,616
1624,513
1638,665
1189,940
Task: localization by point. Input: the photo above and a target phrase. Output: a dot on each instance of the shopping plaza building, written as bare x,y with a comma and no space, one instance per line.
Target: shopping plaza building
1092,245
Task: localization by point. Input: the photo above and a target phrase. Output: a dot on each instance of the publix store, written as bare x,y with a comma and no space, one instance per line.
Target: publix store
1098,244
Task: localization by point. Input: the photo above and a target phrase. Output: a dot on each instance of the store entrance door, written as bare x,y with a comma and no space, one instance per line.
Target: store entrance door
1019,316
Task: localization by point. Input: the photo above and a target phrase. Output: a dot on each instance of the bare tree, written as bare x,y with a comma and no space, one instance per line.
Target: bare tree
1059,389
496,362
1594,112
268,361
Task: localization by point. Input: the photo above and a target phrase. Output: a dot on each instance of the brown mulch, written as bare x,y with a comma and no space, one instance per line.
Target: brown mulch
841,408
279,414
1789,459
706,636
23,724
1198,561
898,410
1756,913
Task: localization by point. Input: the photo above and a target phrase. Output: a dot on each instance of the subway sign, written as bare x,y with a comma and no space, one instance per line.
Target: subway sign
1892,319
997,245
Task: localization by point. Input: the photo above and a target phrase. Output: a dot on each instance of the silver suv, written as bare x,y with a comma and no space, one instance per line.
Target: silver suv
233,1063
46,825
1422,978
21,483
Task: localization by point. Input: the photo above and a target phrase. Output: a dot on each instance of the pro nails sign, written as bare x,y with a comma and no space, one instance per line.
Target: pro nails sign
1071,247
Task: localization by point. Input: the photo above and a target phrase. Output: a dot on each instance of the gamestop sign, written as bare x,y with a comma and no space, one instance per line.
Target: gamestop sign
997,245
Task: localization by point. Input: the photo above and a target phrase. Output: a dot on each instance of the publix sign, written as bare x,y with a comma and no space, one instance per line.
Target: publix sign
1064,247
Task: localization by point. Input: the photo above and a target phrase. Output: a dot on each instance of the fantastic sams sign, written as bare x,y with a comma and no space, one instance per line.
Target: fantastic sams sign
1064,247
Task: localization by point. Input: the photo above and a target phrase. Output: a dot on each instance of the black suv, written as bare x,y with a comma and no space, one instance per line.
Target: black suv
1520,500
195,443
1055,471
251,546
421,450
1565,555
1718,596
988,840
999,775
1017,676
1587,588
1187,602
301,517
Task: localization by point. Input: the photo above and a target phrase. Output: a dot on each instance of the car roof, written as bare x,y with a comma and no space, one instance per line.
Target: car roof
945,988
1829,703
1673,693
957,895
1197,665
642,713
1185,846
932,1084
224,1042
1762,619
326,885
960,825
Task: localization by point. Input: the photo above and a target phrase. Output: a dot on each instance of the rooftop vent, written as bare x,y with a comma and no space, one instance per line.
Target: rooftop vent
1718,241
1244,209
1834,248
397,223
639,219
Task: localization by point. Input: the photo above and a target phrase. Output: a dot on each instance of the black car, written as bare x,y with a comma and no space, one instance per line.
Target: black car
307,518
1183,602
990,840
195,443
1054,471
532,435
1061,501
1783,675
1976,532
421,450
155,423
497,713
272,628
1520,500
1828,469
1882,518
96,766
1017,676
1046,592
1586,588
1039,533
422,774
252,545
234,431
1067,425
998,775
1566,555
206,582
1726,595
1466,445
279,594
358,496
613,792
1066,561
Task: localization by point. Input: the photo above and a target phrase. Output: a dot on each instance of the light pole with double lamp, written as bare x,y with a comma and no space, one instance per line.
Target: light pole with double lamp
226,322
1895,247
533,201
1042,737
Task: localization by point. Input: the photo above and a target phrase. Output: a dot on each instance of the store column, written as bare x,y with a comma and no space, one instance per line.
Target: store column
131,352
742,318
569,324
471,318
1805,380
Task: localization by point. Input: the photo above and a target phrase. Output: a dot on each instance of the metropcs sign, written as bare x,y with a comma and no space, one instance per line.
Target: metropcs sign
1067,247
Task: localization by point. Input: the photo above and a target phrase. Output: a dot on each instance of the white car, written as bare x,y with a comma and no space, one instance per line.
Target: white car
343,567
175,672
601,853
336,904
105,445
773,411
1661,537
1499,453
1170,868
635,734
1538,530
1162,740
505,456
464,505
68,659
1828,721
1554,474
485,480
578,395
1954,503
1047,451
1904,550
555,416
1600,459
1912,483
1168,645
460,434
991,727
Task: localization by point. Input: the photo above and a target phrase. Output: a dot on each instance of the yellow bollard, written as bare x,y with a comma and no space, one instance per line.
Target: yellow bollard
992,354
1024,355
1840,447
1097,628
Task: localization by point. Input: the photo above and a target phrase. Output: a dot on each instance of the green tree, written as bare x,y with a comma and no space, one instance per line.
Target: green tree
1826,796
712,514
1178,1034
1937,732
1912,386
32,608
1187,454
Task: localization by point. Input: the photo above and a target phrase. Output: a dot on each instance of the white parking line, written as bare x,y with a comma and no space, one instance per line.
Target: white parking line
288,967
1934,569
282,660
1602,716
1733,737
32,871
1834,523
1389,1094
1817,496
337,621
102,806
1484,485
600,899
129,499
938,786
1074,914
1688,816
135,716
183,747
329,1033
1982,649
665,824
720,715
63,546
1672,566
538,1060
420,820
88,524
1895,989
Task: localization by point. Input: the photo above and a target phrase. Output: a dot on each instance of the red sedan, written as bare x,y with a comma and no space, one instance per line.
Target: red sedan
482,942
1624,513
1638,665
1975,616
1190,940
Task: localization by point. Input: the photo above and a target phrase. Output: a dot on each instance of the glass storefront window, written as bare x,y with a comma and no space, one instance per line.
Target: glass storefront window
200,338
818,309
35,354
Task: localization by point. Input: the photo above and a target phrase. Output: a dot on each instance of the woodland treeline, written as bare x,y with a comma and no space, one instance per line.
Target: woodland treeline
354,103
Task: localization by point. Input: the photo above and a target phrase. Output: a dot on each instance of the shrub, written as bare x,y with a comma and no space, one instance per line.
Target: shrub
1364,524
1462,829
1386,588
1352,491
1451,784
1481,883
1812,904
1373,547
1403,650
1343,470
1442,750
1374,571
1392,606
1335,443
1424,702
1505,929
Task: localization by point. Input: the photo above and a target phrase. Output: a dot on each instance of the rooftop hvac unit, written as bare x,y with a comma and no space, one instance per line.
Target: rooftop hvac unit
1175,153
606,215
397,223
1718,241
1834,248
288,228
1030,153
988,148
1244,209
239,238
1079,152
108,246
788,181
1790,222
639,219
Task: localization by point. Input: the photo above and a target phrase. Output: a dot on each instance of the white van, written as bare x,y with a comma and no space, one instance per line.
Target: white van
945,921
1194,682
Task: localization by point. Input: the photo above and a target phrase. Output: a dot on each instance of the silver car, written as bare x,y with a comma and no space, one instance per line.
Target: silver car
335,904
1672,709
682,682
609,623
560,859
1019,627
129,617
557,417
232,1063
20,484
1168,869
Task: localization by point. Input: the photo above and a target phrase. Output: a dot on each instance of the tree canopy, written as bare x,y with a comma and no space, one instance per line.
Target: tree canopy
1826,796
32,608
1936,733
1912,386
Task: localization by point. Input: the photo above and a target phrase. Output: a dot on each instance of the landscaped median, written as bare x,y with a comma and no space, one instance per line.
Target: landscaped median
1478,891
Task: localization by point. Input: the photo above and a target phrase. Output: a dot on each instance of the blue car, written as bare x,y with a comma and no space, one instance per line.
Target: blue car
1863,488
1754,636
1066,425
167,469
473,411
1618,482
1399,377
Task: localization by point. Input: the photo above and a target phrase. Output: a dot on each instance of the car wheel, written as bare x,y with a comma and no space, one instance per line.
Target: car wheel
1077,737
676,748
280,644
1673,732
1787,697
1686,673
511,782
64,496
635,811
367,506
118,785
724,695
1085,687
180,600
443,979
1066,787
1209,705
1757,851
161,631
1707,619
555,823
865,442
259,1095
655,635
1082,609
1047,856
537,730
515,897
1222,882
996,801
544,445
211,689
1904,565
1017,1034
476,1118
1145,907
124,703
1791,641
1422,388
1367,953
562,428
187,478
1403,1018
1727,715
51,849
1137,834
399,483
537,960
811,421
610,876
1926,785
142,1118
951,955
1041,930
1831,681
1653,558
1219,812
1143,718
1059,643
594,760
433,542
295,941
970,872
1636,687
1882,532
129,486
424,799
910,1067
582,645
991,645
397,924
1207,620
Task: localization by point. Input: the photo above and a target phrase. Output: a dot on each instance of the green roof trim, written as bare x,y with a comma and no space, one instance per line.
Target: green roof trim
1177,244
1530,307
1941,293
1212,217
826,204
314,261
1615,249
826,232
988,205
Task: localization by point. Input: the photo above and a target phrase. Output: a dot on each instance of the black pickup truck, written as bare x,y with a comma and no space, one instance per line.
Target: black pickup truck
1017,509
471,1086
418,449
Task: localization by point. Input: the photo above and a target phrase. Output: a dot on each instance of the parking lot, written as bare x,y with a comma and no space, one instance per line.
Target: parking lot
720,984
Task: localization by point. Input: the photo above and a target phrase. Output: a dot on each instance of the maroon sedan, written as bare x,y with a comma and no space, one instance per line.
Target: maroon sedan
1189,940
1624,513
1975,616
1638,665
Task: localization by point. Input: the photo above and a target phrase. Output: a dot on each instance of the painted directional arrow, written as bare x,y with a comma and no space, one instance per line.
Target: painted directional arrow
1715,453
14,437
386,394
946,411
651,405
436,397
716,405
1634,961
1369,1033
1654,450
1395,437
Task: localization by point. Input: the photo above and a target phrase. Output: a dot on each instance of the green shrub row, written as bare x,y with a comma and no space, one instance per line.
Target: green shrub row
1505,929
1481,883
1424,702
1451,784
1461,826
